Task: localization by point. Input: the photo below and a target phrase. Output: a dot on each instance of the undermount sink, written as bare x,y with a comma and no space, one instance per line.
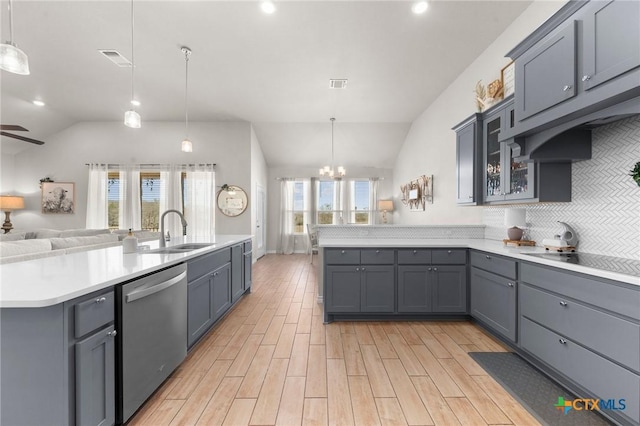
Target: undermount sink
180,248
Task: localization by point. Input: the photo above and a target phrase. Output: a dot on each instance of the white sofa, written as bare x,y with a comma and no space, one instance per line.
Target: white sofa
18,246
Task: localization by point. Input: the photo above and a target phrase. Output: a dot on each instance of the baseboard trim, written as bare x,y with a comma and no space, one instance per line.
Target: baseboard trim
320,300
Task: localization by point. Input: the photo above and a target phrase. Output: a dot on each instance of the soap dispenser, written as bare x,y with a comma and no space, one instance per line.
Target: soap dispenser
130,243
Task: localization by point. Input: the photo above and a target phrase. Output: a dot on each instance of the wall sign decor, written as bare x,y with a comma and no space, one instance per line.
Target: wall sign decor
507,74
417,193
58,197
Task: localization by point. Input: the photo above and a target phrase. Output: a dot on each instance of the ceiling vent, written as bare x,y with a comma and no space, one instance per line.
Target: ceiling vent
115,57
336,83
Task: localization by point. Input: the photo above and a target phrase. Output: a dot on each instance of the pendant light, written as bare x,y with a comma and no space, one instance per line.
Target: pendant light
131,117
187,146
329,170
13,59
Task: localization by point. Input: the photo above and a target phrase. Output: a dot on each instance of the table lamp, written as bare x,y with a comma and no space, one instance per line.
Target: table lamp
385,206
515,220
9,203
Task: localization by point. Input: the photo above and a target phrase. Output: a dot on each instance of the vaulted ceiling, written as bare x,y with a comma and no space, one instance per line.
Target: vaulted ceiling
271,70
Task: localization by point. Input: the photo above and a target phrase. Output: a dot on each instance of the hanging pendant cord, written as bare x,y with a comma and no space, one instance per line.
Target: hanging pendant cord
10,22
133,61
186,90
332,160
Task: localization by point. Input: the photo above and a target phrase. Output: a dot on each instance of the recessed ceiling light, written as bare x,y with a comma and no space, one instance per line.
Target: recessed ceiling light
135,103
420,7
268,7
38,103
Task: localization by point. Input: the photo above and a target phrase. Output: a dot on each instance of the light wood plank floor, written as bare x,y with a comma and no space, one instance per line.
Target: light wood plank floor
271,361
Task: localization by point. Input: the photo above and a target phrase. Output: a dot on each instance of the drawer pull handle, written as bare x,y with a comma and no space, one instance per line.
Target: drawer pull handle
415,251
586,77
357,269
428,269
435,269
215,274
488,257
112,333
510,284
377,251
342,252
363,269
448,251
562,341
563,303
566,88
101,299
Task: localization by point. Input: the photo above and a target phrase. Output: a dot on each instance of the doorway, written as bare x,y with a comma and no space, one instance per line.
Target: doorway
261,229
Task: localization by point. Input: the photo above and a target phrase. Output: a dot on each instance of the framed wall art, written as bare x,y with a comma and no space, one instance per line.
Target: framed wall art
417,193
507,74
58,197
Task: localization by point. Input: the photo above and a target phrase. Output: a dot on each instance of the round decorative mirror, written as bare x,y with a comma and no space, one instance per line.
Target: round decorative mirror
232,200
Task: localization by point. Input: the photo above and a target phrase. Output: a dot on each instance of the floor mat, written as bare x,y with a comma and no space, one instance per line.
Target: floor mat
538,394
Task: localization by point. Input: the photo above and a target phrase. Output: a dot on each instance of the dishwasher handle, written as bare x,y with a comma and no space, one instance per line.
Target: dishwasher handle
148,291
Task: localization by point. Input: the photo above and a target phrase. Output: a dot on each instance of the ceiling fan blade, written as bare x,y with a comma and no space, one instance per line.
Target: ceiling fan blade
13,128
22,138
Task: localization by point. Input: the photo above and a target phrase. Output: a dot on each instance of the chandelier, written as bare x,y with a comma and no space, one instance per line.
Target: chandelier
330,171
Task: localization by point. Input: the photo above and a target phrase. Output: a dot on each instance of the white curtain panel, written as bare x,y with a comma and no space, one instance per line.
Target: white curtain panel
286,216
308,212
130,211
200,200
97,204
373,200
171,198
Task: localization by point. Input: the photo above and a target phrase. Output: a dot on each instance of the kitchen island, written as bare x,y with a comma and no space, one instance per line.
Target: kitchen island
62,323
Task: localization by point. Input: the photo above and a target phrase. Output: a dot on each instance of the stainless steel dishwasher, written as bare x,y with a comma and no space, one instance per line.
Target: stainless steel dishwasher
152,312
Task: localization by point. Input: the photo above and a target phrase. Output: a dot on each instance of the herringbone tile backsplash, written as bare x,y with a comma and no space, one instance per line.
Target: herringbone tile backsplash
605,207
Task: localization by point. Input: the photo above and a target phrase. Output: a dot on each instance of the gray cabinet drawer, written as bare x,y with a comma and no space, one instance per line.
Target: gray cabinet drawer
414,257
619,341
377,257
602,378
207,263
449,257
342,256
606,295
494,264
94,313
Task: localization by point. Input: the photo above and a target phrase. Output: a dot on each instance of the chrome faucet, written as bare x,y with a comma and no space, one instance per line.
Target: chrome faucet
184,225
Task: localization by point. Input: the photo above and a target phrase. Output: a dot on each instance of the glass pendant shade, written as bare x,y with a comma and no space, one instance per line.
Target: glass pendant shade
187,146
12,59
132,119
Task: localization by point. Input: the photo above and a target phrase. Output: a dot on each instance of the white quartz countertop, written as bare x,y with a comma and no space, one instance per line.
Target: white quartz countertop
52,280
491,246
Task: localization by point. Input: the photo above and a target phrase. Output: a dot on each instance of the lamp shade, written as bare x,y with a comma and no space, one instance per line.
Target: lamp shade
13,59
515,217
385,205
11,202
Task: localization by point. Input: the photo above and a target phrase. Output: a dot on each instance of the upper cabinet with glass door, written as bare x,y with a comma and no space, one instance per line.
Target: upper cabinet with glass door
506,178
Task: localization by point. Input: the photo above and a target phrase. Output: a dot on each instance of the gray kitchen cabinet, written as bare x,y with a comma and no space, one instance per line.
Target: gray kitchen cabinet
237,270
200,309
546,74
377,288
468,149
414,291
95,378
342,288
449,289
248,265
493,293
611,41
221,290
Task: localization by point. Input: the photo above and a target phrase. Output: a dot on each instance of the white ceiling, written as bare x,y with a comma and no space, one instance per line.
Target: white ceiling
271,70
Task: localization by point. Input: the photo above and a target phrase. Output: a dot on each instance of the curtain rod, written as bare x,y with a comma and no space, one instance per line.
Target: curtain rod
329,179
152,164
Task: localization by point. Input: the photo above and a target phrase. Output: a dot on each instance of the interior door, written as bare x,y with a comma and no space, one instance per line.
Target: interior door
261,230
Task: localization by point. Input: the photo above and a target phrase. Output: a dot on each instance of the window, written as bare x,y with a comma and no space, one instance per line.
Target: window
329,206
299,212
113,199
359,204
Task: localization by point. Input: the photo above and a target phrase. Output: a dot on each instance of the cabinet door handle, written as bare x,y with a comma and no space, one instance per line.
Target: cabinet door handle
342,252
428,269
510,284
377,251
448,251
357,269
562,341
435,269
215,274
566,88
363,269
415,251
488,257
563,303
101,299
112,333
586,77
